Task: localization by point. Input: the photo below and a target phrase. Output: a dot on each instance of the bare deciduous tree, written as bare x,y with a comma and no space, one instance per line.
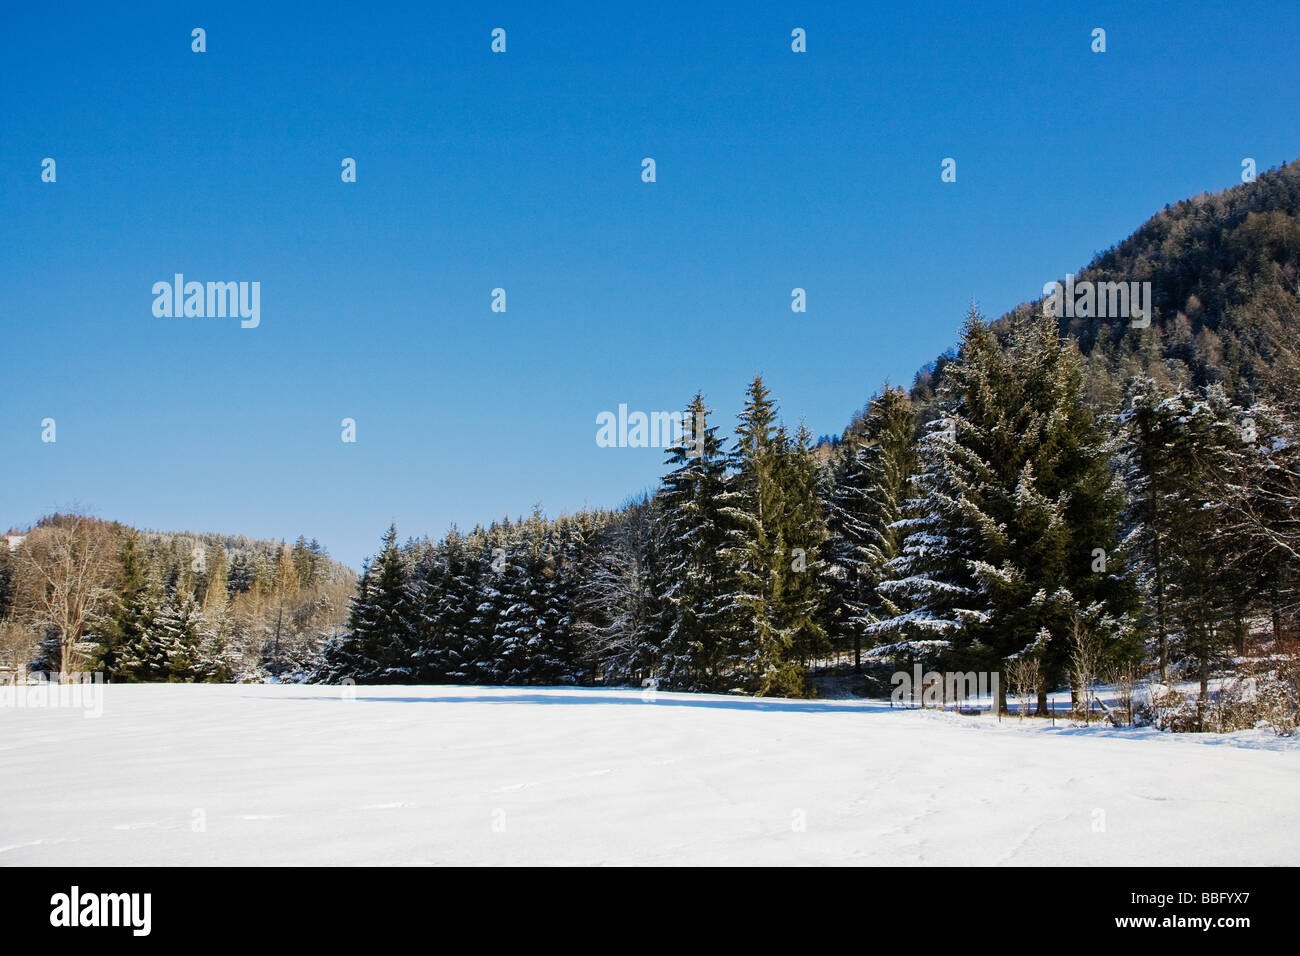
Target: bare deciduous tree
17,645
1125,679
64,572
1085,661
1024,674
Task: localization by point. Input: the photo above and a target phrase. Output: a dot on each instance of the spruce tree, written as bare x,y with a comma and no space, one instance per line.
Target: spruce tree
1017,506
378,646
695,576
120,633
868,492
500,582
1176,450
752,505
518,635
570,548
776,528
799,592
186,643
456,604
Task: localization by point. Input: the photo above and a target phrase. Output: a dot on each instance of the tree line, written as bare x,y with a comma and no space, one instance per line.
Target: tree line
1004,519
78,593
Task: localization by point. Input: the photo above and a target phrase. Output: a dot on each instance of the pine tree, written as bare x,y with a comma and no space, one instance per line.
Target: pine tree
775,528
846,491
307,560
1176,451
752,504
425,587
1016,502
1261,486
799,593
378,646
1153,489
554,658
175,644
694,575
865,504
457,600
498,585
240,578
120,634
518,630
186,643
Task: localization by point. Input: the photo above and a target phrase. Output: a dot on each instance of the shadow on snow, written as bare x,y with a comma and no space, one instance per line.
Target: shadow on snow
631,698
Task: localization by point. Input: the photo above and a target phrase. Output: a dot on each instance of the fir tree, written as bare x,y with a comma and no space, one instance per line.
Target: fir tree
122,632
1017,501
799,594
695,576
752,505
775,530
1176,450
186,643
518,630
240,578
864,509
455,607
378,646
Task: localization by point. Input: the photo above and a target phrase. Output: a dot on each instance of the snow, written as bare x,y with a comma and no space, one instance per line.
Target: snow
293,774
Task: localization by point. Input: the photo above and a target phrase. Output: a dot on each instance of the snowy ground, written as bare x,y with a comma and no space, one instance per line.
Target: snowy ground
186,774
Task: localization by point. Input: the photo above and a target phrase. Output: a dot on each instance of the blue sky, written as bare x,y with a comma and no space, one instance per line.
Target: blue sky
522,171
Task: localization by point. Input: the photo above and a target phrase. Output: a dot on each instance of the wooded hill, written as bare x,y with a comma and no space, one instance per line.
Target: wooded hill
77,592
1224,270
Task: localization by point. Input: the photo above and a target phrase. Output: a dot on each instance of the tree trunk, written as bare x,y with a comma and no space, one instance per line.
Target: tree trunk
279,617
65,658
1160,618
1277,615
1203,701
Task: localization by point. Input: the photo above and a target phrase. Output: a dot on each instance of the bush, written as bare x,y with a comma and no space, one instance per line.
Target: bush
1267,700
1279,699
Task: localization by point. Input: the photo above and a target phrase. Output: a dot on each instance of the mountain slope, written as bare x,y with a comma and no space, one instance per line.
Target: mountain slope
1224,270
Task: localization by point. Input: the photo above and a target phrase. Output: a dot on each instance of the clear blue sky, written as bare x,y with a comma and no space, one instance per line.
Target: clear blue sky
522,171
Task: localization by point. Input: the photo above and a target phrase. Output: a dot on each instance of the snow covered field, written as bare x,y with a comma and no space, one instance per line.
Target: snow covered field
255,774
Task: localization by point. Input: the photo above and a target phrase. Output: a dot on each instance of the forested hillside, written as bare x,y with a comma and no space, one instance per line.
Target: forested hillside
1224,270
80,593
